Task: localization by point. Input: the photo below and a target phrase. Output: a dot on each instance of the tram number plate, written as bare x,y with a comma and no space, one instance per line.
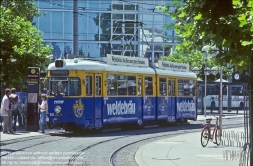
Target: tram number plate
51,114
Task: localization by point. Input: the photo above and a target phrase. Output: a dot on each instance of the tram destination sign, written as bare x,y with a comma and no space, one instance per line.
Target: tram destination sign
174,66
127,61
59,72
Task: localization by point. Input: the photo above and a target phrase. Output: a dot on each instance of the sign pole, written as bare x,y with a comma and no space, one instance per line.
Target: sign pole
32,99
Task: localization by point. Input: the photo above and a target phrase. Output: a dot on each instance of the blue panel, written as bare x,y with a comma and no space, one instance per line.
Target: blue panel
149,107
78,110
165,109
173,108
98,112
122,110
186,107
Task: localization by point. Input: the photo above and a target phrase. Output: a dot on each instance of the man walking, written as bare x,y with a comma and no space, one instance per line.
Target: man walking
6,112
16,113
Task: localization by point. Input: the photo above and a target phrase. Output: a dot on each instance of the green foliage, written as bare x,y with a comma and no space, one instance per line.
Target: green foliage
22,8
225,24
22,45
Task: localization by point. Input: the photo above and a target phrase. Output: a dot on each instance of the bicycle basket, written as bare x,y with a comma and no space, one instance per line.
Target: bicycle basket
208,121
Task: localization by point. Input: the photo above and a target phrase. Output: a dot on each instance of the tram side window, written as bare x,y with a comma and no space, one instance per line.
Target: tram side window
111,85
191,88
139,86
131,85
172,87
163,86
180,87
186,88
88,84
64,86
122,84
74,87
98,85
148,86
169,87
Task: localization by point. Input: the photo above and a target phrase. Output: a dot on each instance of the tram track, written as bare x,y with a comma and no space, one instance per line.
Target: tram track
3,153
18,140
71,161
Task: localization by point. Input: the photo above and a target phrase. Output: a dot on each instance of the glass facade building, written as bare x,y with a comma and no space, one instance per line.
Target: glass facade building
104,25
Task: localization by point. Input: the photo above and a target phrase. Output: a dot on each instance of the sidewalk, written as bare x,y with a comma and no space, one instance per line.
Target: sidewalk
186,150
225,116
22,132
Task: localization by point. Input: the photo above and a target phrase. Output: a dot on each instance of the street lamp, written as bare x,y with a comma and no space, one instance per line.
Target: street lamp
214,50
207,71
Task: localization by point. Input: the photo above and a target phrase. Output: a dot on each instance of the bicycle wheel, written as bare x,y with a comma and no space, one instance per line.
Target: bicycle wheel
205,136
218,136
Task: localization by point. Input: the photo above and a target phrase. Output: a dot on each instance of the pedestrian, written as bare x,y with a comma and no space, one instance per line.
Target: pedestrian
16,113
6,112
43,112
15,108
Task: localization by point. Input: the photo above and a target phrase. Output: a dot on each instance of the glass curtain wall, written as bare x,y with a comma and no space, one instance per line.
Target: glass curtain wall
106,25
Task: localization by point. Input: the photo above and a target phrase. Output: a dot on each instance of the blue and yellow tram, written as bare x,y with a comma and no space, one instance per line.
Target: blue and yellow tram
118,90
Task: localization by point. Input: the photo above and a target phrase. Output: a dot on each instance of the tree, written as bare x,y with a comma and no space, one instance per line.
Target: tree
22,45
226,24
196,59
24,9
216,22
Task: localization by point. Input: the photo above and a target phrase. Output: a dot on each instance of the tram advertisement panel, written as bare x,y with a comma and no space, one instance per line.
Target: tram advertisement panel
165,109
186,107
149,112
67,109
122,110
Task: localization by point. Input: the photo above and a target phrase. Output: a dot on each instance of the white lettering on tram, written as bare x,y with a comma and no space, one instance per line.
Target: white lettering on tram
119,108
186,106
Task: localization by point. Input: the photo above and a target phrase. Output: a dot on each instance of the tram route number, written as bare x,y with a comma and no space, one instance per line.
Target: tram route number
51,114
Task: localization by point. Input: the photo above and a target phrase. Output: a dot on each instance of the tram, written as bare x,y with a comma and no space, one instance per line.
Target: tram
118,91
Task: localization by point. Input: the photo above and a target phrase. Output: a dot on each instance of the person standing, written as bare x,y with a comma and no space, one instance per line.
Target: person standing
15,108
6,112
43,112
15,112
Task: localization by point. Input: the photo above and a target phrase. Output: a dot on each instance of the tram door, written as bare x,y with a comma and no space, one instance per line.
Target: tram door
98,100
93,103
140,86
170,106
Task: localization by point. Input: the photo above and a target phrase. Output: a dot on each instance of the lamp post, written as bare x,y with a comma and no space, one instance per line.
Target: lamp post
207,71
214,51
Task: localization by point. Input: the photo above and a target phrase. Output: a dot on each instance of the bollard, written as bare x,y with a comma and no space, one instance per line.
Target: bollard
238,139
229,139
224,135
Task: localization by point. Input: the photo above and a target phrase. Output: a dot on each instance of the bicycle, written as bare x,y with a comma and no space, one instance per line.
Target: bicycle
206,133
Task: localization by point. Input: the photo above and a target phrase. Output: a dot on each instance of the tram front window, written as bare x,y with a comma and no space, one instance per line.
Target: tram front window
67,86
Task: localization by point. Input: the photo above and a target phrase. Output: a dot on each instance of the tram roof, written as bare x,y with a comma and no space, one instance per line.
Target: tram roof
84,64
175,73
